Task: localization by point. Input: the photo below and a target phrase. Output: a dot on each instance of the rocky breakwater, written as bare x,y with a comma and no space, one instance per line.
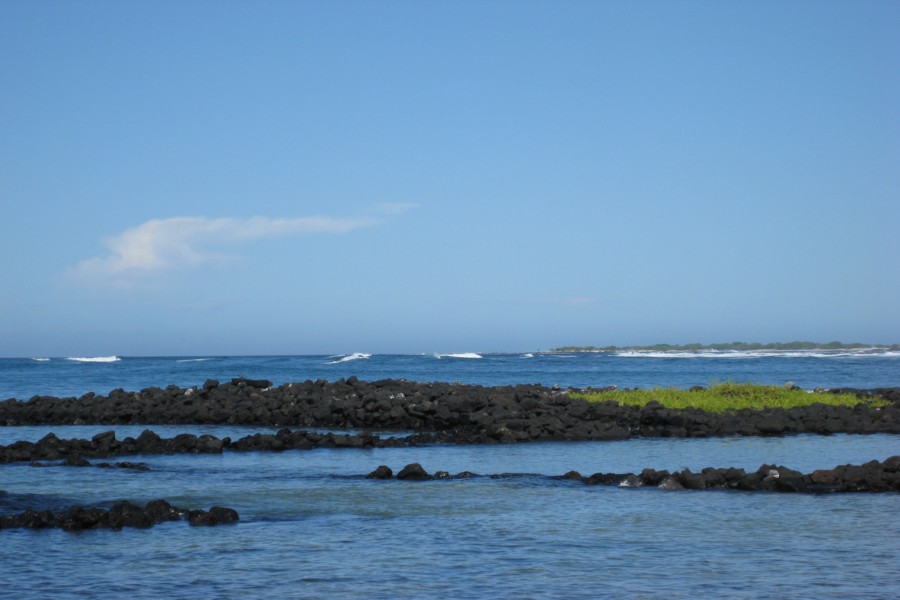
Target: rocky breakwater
466,413
105,445
872,476
75,452
121,514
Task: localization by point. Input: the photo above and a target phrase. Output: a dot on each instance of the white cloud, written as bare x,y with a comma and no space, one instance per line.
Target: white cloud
161,245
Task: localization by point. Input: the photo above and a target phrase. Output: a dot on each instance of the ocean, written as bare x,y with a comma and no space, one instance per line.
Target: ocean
312,527
73,376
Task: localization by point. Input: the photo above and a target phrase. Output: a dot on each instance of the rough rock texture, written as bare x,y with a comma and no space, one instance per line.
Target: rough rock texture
464,413
119,515
75,452
872,476
413,471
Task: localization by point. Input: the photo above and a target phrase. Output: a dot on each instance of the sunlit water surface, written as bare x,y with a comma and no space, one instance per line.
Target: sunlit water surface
311,527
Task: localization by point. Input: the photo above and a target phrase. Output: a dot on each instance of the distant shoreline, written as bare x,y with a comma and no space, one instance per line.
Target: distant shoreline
732,346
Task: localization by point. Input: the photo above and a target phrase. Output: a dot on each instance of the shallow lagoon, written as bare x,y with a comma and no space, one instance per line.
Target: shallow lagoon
307,530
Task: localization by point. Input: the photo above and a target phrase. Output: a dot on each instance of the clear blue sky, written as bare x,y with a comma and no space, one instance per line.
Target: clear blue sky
184,178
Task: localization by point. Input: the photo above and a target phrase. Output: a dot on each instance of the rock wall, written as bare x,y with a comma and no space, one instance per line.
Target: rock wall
872,476
467,413
119,515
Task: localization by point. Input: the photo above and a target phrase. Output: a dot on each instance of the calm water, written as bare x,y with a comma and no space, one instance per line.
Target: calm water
309,531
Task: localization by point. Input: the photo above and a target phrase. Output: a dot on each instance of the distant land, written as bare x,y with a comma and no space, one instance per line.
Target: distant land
741,346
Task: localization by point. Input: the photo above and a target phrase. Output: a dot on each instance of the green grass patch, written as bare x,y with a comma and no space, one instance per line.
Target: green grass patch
727,396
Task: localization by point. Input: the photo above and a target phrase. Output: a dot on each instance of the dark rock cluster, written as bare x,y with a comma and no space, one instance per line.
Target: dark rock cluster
75,452
120,514
415,472
466,413
77,461
872,476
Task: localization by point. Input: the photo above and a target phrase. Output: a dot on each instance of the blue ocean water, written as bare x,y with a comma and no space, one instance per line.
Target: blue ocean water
24,377
311,529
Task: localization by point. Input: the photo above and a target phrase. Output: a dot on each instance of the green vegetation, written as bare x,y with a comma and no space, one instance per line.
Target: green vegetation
741,346
725,396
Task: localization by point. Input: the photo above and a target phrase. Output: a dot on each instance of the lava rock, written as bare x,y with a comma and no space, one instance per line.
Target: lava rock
413,471
381,472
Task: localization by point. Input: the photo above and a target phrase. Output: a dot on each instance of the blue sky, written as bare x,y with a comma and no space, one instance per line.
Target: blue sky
184,178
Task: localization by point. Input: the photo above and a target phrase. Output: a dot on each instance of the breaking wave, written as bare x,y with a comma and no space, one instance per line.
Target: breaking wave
348,357
181,360
740,354
459,355
41,359
94,359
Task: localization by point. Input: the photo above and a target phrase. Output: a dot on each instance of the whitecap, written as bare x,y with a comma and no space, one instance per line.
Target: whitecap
528,355
346,358
698,354
648,354
743,354
94,359
41,359
192,360
459,355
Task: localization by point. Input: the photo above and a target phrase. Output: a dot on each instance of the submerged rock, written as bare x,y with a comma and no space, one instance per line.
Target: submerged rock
216,516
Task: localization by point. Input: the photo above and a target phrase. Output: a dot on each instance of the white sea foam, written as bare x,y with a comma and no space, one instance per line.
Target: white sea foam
95,359
349,357
743,354
459,355
41,359
648,354
192,359
528,355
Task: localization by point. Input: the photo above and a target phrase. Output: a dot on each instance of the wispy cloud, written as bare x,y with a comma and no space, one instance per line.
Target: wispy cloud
161,245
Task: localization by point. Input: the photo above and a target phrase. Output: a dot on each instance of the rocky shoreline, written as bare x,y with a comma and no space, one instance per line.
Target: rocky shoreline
75,452
433,413
448,412
121,514
872,476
